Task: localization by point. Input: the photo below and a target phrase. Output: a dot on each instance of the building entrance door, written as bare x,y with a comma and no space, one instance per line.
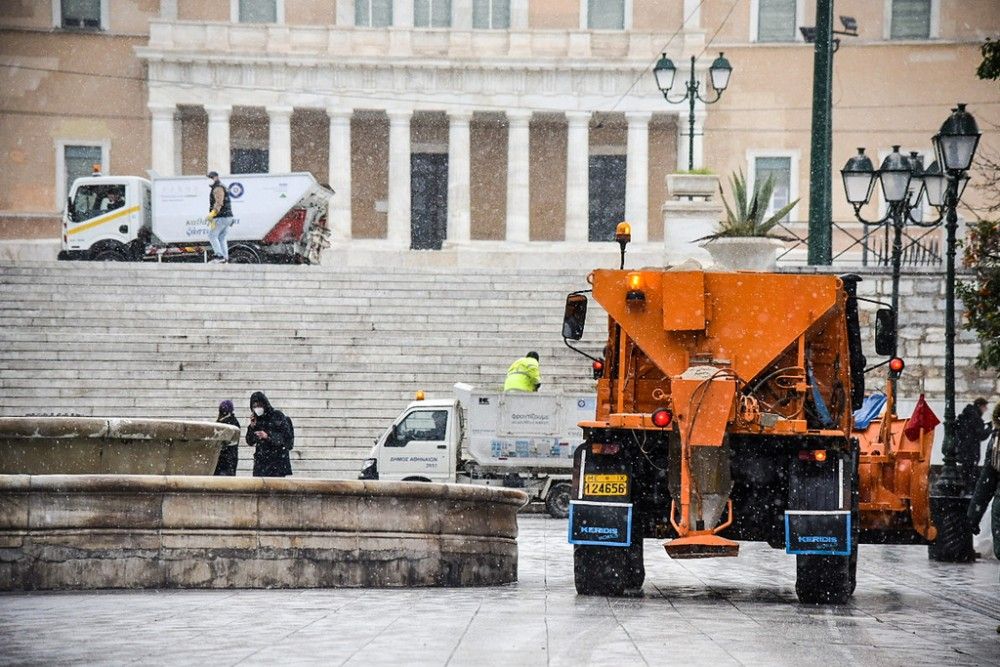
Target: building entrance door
428,200
248,161
607,195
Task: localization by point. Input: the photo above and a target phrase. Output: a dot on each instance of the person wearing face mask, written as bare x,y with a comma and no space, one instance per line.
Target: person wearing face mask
272,436
229,456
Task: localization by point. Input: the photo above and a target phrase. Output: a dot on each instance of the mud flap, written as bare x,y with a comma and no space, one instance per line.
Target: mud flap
602,524
818,533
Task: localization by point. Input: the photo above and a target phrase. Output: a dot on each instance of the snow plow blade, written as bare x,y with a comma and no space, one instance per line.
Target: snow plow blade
702,546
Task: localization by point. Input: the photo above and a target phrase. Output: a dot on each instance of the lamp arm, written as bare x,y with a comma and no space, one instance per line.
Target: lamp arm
684,97
718,96
922,223
864,221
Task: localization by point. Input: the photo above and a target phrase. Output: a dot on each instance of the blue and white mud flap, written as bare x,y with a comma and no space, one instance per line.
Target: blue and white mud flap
600,524
818,532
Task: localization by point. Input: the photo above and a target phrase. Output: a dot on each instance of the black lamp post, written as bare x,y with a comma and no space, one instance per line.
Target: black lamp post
719,73
942,183
955,145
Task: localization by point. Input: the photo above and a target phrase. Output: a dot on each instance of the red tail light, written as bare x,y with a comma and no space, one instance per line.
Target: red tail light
605,447
817,455
662,417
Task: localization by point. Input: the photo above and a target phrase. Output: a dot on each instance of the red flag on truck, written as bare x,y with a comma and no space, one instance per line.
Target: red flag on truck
923,418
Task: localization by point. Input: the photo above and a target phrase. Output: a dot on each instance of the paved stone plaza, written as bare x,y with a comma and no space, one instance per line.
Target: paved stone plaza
907,611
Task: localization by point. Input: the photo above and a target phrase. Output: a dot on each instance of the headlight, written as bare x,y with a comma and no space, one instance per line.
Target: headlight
369,469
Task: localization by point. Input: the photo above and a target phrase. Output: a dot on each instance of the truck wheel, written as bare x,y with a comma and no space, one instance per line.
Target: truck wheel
823,579
557,502
954,536
111,255
242,254
611,571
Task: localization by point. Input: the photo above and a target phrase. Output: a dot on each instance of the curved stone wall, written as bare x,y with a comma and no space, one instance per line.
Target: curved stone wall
144,531
97,445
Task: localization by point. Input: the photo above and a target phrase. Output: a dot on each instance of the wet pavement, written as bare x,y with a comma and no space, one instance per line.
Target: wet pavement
907,611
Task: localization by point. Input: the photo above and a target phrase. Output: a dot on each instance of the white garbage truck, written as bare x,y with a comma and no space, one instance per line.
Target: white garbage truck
515,439
279,218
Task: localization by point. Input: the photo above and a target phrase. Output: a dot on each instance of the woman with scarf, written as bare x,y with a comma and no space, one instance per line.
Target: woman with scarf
229,456
271,434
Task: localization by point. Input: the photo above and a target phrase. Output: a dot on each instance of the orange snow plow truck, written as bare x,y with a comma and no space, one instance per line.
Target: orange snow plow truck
724,414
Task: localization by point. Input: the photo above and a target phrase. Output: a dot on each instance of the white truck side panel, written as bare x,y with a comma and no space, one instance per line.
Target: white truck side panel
523,430
259,202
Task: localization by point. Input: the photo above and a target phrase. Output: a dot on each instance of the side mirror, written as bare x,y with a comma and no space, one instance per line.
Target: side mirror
885,331
575,317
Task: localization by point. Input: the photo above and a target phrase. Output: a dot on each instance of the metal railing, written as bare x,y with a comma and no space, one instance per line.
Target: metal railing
858,244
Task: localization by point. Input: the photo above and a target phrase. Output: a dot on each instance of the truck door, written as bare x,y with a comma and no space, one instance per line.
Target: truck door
101,210
417,447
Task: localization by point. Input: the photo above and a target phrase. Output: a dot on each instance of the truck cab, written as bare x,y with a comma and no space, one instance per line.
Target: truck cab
421,445
106,218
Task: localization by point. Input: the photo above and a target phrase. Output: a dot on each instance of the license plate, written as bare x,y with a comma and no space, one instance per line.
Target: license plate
605,485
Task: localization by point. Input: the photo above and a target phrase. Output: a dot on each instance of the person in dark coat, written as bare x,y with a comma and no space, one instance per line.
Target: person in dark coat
271,434
970,431
229,456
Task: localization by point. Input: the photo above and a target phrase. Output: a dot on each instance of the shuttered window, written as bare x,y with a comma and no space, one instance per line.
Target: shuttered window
491,14
911,19
776,20
81,14
373,13
606,14
432,13
258,11
780,169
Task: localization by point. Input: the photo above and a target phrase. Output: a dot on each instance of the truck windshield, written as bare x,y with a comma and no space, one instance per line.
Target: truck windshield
91,201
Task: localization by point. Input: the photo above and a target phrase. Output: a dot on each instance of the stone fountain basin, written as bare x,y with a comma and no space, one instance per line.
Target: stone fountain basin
149,531
121,446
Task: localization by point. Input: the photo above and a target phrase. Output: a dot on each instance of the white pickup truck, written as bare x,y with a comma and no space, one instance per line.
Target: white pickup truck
518,440
278,218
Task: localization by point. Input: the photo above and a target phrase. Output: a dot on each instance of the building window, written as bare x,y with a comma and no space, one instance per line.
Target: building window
258,11
85,14
606,14
373,13
776,20
910,19
491,14
78,160
780,170
432,13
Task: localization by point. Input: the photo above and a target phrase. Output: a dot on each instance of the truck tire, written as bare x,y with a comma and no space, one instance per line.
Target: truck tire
954,536
611,571
244,254
110,254
557,501
824,579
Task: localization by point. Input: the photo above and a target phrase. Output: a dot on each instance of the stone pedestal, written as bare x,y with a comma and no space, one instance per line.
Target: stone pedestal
691,213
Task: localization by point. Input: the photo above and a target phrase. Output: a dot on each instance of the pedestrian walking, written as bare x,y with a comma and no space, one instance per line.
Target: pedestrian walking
220,218
970,431
272,435
229,456
524,374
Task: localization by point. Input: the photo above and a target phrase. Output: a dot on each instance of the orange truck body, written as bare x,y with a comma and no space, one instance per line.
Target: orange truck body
759,374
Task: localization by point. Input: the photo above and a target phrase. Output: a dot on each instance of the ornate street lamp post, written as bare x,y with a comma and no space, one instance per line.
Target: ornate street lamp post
942,183
719,73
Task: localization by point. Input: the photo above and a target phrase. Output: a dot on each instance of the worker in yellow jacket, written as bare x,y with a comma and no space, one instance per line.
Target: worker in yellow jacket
524,374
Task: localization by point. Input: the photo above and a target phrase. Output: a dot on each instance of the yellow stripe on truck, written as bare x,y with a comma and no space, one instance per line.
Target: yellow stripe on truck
102,220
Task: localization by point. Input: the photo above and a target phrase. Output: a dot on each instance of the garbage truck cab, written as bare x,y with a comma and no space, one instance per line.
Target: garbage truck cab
105,218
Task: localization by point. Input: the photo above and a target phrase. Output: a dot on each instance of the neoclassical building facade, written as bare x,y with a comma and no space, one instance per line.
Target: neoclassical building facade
444,123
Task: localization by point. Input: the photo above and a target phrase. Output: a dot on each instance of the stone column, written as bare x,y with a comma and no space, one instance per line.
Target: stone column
164,140
219,158
279,145
518,14
459,172
340,174
578,176
399,177
518,193
637,175
461,14
402,13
